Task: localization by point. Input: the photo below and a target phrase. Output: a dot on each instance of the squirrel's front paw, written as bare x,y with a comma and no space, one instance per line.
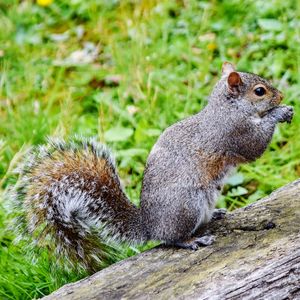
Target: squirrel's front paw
283,113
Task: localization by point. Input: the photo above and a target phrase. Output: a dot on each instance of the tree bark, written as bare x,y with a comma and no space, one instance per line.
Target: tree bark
256,255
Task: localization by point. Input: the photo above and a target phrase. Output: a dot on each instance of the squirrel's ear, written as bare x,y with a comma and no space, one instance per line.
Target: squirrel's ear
234,82
227,68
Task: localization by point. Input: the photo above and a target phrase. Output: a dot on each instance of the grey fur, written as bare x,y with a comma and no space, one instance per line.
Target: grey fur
175,201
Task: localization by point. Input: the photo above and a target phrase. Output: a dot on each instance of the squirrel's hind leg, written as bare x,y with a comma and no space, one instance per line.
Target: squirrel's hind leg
204,240
196,242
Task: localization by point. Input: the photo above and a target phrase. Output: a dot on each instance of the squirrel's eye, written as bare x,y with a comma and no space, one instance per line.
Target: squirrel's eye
260,91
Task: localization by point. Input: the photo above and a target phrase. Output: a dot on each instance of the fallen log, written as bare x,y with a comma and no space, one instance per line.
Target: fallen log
256,256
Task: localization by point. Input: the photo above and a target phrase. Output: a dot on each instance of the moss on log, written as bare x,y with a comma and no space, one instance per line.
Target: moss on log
256,256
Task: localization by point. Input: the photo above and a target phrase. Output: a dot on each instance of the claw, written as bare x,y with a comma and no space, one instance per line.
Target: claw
195,243
219,213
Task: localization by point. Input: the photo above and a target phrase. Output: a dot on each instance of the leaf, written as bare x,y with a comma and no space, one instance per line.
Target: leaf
118,134
236,179
239,191
31,37
59,37
132,152
255,196
152,132
270,24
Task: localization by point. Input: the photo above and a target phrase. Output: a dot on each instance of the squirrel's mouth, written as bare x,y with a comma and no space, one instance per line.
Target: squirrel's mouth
267,111
264,113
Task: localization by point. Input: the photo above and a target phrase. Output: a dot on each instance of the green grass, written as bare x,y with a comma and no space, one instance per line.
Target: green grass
157,62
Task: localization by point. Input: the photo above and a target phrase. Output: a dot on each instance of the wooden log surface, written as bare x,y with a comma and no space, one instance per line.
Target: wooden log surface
256,255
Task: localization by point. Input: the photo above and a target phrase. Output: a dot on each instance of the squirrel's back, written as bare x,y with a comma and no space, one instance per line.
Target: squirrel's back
70,196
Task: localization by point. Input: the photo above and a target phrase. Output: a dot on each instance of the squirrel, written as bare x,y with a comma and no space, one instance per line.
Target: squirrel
70,194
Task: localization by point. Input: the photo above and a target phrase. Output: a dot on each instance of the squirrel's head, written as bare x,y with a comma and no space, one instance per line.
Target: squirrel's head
246,88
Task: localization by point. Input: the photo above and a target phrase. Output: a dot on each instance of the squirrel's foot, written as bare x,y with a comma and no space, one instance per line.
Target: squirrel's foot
283,113
195,243
219,213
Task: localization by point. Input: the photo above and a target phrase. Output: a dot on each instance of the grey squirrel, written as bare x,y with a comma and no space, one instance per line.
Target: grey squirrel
71,199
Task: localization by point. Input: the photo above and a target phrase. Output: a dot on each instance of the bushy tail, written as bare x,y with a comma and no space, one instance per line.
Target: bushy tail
70,199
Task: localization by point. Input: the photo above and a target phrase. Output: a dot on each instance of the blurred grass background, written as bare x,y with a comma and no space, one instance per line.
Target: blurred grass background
123,71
